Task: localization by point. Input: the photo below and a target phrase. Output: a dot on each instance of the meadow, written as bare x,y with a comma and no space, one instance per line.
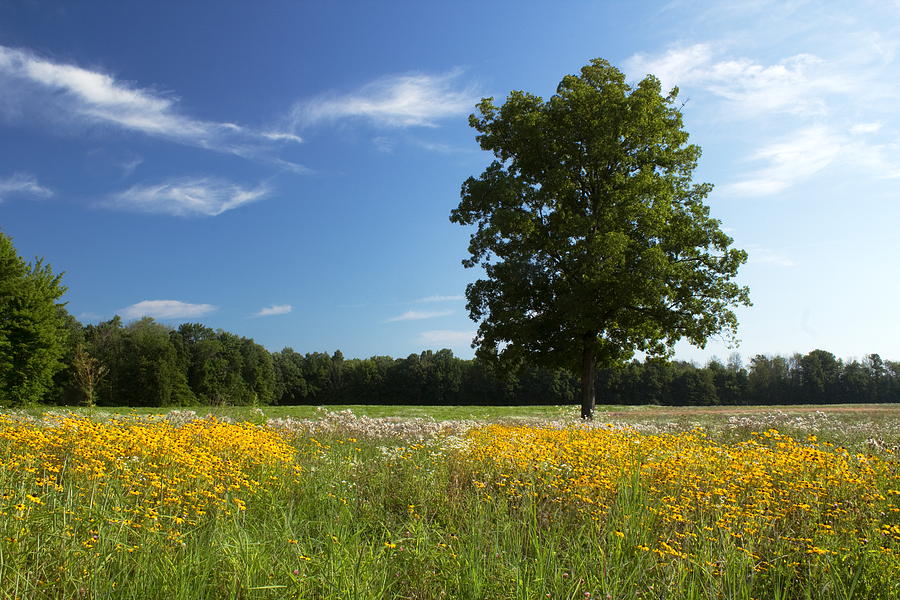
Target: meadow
451,502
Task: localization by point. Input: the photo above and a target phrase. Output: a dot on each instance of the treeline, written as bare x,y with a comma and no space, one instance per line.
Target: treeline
146,363
48,356
814,378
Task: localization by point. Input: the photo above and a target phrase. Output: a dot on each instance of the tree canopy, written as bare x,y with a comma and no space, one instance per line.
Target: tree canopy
32,327
594,239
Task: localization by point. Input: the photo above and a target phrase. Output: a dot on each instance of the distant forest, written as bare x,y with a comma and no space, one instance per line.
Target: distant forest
146,363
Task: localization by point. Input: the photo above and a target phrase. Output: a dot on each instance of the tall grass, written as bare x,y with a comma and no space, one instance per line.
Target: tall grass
151,508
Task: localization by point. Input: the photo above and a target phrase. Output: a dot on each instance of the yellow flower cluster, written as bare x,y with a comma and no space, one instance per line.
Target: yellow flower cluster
768,492
151,473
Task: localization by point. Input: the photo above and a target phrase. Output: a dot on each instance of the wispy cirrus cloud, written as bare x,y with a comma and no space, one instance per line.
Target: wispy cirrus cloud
73,93
766,256
798,84
441,299
822,109
166,309
448,337
22,183
186,197
676,66
418,315
789,161
864,128
417,100
806,152
129,165
387,145
275,309
878,158
384,144
281,136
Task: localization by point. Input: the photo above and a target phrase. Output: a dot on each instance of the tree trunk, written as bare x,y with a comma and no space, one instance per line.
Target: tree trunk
587,377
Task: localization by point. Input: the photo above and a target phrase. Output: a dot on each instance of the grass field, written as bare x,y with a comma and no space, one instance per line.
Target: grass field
452,502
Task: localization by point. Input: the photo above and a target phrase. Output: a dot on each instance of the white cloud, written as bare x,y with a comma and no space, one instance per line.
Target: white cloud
165,309
383,144
22,183
796,85
69,92
765,256
188,196
448,337
863,128
291,166
811,150
418,315
676,66
879,159
129,165
830,109
441,299
395,101
281,136
790,160
441,148
275,309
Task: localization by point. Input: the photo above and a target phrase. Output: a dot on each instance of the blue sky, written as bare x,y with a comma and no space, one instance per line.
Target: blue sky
285,170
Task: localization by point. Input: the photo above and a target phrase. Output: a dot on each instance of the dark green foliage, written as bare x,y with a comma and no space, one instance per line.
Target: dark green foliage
439,378
365,379
535,384
769,379
152,365
65,389
33,327
729,382
144,366
258,372
695,387
595,242
223,368
819,376
290,386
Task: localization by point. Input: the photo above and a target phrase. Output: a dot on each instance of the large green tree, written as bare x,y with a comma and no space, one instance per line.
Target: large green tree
593,237
32,327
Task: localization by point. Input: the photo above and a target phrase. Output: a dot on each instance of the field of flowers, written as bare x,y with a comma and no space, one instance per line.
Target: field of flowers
343,506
